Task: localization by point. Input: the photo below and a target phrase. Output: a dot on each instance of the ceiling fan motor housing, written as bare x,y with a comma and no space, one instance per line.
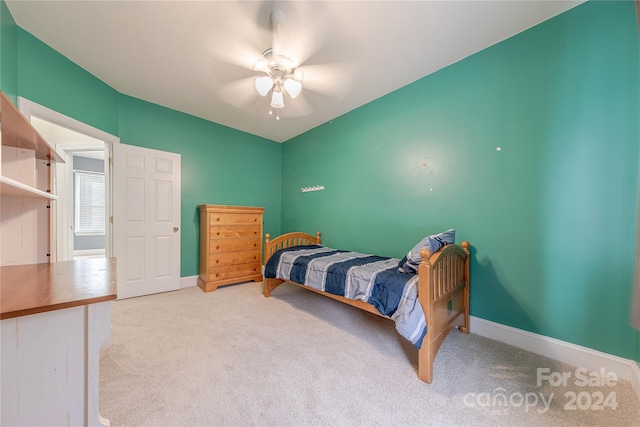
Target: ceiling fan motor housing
278,16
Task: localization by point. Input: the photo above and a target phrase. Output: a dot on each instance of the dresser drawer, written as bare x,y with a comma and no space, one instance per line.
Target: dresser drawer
233,232
216,246
230,218
233,271
232,258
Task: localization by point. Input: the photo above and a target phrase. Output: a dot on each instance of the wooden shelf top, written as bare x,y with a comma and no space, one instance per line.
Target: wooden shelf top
37,288
18,132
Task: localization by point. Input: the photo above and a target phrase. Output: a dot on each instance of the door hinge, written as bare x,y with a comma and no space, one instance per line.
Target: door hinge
111,219
111,160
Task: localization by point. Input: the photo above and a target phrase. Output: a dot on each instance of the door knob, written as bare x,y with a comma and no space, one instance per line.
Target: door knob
175,229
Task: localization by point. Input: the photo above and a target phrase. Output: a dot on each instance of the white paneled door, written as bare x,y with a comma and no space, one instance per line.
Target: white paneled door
146,220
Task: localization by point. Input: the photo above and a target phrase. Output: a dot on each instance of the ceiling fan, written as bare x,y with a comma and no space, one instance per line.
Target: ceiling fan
280,74
309,59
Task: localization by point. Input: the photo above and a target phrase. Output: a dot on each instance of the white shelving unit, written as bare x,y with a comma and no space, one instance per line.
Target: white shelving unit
54,316
27,189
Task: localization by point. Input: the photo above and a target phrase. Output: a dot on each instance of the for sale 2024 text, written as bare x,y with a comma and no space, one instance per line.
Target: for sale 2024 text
581,377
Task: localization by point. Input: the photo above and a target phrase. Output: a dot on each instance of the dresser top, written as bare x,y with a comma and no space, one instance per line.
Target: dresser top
230,209
37,288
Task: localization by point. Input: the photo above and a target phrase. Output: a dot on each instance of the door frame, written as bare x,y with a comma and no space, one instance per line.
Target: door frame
30,109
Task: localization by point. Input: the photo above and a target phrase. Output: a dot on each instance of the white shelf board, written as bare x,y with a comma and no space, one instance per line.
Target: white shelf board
11,187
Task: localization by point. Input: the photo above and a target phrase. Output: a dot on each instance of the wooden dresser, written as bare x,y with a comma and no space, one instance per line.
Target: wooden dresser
230,245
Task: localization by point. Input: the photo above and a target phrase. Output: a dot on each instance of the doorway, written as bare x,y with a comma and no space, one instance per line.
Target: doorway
144,233
78,233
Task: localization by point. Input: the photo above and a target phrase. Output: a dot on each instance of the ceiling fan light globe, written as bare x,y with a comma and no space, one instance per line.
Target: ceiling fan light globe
277,100
263,85
293,87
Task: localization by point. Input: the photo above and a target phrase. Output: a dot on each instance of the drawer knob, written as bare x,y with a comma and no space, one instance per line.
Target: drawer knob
217,247
217,219
217,261
218,233
255,244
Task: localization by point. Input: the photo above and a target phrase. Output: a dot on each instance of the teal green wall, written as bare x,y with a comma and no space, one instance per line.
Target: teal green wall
50,79
8,53
551,217
220,165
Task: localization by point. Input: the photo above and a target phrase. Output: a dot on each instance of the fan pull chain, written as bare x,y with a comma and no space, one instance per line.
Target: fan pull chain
277,113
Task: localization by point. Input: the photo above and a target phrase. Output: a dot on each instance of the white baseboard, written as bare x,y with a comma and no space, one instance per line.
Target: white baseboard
187,281
88,253
572,354
635,378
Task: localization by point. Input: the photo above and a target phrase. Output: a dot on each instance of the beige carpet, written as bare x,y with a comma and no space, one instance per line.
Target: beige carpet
235,358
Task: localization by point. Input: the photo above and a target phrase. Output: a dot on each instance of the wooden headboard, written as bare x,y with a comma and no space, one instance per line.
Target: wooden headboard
288,240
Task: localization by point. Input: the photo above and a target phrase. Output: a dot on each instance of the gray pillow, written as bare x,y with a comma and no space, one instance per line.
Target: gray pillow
409,264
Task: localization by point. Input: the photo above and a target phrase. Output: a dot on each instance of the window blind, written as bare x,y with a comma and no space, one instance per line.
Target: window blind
90,202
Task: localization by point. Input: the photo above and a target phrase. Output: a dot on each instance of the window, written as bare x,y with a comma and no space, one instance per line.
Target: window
89,206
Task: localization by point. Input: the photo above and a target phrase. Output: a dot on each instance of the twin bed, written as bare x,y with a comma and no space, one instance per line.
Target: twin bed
425,306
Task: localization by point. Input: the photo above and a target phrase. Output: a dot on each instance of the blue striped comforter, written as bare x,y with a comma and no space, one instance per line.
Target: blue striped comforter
370,278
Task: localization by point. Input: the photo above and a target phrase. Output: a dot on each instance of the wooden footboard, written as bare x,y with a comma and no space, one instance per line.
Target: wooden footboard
443,292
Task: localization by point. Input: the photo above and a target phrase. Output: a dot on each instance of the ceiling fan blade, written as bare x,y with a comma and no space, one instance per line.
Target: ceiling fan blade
335,80
301,106
235,35
304,36
241,93
236,52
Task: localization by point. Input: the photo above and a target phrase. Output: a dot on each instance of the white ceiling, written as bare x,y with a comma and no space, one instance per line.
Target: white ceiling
197,56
